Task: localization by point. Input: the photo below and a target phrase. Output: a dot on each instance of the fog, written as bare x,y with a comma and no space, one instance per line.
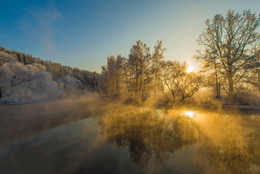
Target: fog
91,135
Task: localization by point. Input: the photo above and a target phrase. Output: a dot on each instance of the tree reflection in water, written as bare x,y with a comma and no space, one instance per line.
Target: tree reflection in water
222,143
147,133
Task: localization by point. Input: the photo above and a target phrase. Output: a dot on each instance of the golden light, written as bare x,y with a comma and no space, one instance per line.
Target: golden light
190,69
189,113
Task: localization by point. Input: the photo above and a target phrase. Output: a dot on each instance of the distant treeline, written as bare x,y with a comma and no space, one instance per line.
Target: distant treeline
88,79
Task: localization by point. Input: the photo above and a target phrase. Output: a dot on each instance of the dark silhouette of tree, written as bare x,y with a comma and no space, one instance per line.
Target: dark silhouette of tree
145,133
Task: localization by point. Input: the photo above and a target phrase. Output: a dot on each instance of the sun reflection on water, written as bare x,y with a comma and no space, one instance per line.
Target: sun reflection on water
189,114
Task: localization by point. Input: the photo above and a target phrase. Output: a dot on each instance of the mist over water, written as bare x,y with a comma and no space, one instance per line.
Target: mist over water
89,135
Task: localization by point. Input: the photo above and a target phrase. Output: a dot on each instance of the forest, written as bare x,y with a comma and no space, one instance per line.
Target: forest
57,70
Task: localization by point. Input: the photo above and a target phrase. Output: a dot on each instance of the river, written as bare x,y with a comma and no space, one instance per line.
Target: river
90,136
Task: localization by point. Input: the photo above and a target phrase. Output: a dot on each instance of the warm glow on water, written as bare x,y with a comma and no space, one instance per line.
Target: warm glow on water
189,113
126,138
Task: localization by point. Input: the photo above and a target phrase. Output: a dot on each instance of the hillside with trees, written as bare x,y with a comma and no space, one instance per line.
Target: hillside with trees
87,78
24,78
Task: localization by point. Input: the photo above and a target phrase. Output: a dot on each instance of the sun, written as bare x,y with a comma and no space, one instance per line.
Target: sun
190,69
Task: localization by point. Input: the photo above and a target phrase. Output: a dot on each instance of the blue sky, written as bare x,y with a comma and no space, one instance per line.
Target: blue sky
83,33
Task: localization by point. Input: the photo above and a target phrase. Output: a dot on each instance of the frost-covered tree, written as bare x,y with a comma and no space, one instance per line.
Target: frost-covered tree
88,79
230,47
111,81
69,84
157,58
139,69
26,82
136,76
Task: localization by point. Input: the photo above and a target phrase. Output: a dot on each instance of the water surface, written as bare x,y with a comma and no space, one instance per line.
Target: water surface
96,137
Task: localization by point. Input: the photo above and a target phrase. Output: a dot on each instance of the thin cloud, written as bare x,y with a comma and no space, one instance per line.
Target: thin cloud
41,24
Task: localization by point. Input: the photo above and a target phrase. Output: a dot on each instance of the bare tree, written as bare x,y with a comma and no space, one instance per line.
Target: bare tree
177,81
230,45
212,71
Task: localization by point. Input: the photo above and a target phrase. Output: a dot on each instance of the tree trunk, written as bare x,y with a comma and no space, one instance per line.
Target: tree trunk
155,84
230,80
219,90
258,71
230,86
182,98
0,93
217,86
217,79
